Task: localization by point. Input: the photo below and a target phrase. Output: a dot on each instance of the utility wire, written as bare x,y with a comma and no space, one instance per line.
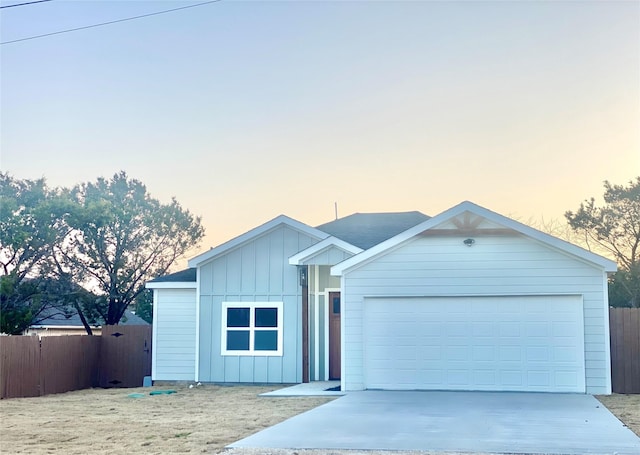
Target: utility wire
24,4
108,23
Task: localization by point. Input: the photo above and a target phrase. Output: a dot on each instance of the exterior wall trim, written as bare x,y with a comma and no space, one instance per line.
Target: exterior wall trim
607,333
316,311
154,336
197,334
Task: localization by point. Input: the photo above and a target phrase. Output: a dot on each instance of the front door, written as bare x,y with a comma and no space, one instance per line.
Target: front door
334,335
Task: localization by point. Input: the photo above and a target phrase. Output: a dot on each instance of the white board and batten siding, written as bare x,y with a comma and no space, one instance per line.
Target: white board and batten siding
174,339
484,275
256,271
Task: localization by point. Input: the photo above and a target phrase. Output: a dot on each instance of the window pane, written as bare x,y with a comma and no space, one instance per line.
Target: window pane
238,317
336,305
266,317
266,340
238,340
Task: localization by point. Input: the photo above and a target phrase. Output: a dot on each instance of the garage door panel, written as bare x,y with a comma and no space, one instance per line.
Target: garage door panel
537,354
486,343
483,353
482,329
430,352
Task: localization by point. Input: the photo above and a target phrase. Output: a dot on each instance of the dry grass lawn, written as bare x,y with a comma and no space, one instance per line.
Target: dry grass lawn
200,420
624,407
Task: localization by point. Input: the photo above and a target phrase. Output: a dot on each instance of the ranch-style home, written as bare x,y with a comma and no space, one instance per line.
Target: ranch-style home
465,300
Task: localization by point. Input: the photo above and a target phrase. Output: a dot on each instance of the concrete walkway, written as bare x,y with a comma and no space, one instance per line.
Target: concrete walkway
494,422
309,389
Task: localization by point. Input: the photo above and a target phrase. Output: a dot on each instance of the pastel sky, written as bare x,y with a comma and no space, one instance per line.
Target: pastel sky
245,110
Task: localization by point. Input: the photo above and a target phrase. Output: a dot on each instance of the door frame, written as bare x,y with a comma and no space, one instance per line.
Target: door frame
338,335
325,293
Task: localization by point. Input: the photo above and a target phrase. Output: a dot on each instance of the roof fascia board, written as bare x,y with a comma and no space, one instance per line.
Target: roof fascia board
253,233
549,240
172,285
319,247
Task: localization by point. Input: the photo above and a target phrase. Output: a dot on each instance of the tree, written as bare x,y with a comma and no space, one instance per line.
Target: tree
614,228
121,238
144,305
31,223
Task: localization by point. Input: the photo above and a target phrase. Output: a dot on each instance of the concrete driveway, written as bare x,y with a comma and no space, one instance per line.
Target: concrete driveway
500,422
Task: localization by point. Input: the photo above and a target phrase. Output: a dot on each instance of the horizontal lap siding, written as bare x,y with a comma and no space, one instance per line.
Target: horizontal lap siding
509,265
257,271
174,346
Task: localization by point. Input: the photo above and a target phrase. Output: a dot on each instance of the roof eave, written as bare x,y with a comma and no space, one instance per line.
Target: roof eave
307,253
171,285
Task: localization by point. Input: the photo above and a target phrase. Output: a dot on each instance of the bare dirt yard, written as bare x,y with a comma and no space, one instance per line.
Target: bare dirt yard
199,420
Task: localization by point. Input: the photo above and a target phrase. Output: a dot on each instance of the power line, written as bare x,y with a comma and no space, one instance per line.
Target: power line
24,4
109,22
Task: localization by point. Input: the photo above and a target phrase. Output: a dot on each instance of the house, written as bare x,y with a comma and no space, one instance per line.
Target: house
466,300
57,323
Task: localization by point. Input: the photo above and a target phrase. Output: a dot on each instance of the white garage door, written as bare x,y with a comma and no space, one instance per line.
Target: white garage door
475,343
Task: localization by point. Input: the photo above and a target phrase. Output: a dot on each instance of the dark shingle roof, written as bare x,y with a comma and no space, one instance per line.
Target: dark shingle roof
57,319
365,230
186,275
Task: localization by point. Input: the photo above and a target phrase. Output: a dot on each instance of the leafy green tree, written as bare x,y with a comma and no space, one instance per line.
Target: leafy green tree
614,228
31,223
121,238
144,305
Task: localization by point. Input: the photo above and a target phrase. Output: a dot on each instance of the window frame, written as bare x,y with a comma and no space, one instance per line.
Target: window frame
252,329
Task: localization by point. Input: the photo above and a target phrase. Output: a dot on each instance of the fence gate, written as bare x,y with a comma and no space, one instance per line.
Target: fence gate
125,355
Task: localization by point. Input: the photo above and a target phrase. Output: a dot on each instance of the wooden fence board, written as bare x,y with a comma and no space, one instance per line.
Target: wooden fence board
69,363
624,325
617,365
19,354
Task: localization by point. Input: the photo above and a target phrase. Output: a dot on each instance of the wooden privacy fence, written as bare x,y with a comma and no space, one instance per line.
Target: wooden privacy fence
32,366
624,326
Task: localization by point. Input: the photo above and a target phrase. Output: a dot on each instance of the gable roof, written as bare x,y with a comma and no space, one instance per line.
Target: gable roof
366,230
256,232
466,206
323,245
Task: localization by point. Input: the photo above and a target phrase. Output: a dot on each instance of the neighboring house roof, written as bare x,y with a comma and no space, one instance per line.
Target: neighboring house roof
186,275
256,232
466,206
60,320
366,230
